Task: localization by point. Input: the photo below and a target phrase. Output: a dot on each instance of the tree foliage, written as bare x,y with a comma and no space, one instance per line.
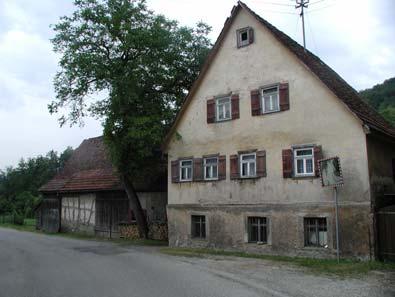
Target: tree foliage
382,98
19,186
143,62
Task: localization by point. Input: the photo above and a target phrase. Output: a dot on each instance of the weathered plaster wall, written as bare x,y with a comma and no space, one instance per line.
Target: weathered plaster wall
226,229
78,213
155,204
316,116
380,155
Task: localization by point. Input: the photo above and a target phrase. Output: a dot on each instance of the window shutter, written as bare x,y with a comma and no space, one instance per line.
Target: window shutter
284,96
234,167
317,157
175,171
251,35
211,111
221,167
261,163
197,169
255,103
235,107
287,163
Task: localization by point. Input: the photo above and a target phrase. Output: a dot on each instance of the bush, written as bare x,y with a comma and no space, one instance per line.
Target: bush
18,219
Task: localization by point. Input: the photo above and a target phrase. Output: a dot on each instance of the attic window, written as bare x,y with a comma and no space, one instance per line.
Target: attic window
245,36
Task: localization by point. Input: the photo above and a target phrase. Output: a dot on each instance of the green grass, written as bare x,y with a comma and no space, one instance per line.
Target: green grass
320,266
29,228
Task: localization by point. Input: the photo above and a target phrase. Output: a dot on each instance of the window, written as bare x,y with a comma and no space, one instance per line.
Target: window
244,37
315,232
304,162
198,227
270,100
257,229
186,170
210,168
223,109
248,165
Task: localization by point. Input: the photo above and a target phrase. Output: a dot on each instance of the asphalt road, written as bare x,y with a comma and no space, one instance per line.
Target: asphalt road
36,265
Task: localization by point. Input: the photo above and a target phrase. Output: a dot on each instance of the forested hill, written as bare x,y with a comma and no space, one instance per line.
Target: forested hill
382,98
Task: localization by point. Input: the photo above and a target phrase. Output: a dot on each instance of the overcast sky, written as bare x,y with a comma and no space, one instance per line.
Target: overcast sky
355,37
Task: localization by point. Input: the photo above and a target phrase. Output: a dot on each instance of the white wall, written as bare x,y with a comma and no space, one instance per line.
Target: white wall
315,116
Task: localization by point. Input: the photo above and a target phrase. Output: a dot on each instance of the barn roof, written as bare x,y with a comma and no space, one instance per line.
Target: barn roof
348,95
89,170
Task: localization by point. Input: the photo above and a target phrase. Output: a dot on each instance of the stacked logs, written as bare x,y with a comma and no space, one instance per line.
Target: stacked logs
157,231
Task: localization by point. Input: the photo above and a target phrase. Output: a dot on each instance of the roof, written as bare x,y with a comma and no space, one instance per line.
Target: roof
339,87
89,169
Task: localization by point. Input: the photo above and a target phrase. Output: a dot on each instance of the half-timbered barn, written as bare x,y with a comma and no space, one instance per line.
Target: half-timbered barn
86,196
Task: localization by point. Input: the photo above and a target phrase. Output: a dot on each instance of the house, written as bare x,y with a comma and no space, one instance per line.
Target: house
243,151
87,196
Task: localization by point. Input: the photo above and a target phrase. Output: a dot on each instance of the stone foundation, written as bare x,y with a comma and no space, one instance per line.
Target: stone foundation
157,231
226,228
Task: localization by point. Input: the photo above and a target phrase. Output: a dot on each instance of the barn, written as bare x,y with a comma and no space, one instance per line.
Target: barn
86,196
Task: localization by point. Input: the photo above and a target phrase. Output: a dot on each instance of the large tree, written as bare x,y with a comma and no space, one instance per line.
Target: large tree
141,65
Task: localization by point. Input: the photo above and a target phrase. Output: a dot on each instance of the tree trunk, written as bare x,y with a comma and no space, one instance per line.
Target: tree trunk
135,205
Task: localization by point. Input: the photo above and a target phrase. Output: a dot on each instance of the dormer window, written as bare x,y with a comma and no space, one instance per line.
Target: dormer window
245,37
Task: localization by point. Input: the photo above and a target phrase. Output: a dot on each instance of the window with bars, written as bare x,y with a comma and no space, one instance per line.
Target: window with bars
270,100
248,165
210,168
198,226
304,162
257,229
185,170
315,232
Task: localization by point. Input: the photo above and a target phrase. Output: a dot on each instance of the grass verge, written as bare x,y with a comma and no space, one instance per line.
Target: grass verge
321,266
84,236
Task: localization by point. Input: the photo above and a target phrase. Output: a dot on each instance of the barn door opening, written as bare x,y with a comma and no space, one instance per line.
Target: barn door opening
111,210
386,233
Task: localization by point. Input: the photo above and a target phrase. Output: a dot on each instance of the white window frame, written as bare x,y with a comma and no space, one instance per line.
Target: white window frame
186,167
240,42
248,166
211,168
222,105
277,107
304,158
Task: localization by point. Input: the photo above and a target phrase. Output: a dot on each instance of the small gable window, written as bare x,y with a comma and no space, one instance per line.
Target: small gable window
186,170
223,109
245,36
270,100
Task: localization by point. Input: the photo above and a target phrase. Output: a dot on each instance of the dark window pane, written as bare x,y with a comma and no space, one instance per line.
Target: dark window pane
315,232
198,225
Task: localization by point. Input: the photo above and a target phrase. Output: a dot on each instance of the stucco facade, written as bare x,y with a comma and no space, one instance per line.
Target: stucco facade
316,116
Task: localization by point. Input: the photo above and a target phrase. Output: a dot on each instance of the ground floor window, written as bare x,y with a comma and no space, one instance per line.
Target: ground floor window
315,232
198,226
257,229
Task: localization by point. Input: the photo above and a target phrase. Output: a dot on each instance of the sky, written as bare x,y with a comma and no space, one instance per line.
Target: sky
354,37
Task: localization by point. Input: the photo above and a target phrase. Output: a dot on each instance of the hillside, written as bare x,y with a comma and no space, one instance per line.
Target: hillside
382,98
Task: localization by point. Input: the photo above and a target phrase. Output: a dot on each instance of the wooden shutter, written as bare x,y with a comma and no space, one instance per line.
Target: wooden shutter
317,157
251,35
211,111
284,96
221,167
175,171
234,167
235,107
287,163
261,163
197,169
255,103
